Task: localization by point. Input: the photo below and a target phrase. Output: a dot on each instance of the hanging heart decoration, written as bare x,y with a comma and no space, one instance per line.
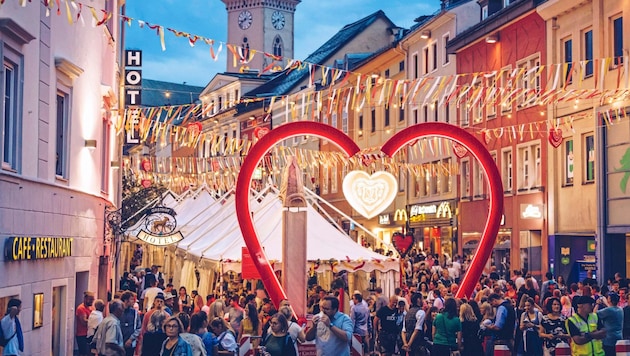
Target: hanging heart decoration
350,148
368,194
555,137
459,150
402,243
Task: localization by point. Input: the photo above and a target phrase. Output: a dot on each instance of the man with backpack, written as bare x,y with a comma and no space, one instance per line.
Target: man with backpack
412,334
11,337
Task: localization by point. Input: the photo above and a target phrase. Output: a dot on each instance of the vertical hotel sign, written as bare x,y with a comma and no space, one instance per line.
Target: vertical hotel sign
133,92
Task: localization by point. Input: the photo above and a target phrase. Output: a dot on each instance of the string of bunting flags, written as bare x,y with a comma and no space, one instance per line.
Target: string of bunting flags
474,86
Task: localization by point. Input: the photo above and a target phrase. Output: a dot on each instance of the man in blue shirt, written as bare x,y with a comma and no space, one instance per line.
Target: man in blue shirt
612,318
332,329
504,324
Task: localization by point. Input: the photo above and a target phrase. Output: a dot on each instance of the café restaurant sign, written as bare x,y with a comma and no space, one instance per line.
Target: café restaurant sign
22,248
160,225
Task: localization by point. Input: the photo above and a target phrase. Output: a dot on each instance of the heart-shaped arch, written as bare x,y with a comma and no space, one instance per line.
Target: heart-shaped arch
350,148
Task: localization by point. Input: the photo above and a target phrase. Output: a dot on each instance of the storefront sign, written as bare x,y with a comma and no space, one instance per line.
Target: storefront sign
444,210
384,219
160,240
133,92
160,225
20,248
531,211
400,215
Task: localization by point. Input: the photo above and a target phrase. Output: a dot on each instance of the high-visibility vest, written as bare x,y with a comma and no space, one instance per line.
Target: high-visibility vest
591,348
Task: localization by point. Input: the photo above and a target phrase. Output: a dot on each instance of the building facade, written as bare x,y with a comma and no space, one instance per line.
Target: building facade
502,99
56,180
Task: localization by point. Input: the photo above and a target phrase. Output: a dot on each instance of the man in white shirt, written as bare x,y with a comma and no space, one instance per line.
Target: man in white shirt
95,318
149,294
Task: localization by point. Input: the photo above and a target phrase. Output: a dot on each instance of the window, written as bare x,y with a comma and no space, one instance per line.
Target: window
617,40
401,66
344,122
436,110
402,179
426,60
61,135
373,120
568,58
401,111
11,114
415,66
220,103
588,53
325,179
478,112
529,167
465,174
277,46
506,170
333,178
448,182
506,3
415,116
360,125
236,96
445,38
479,184
530,81
386,73
416,186
333,120
464,119
568,162
426,182
434,49
589,164
105,157
505,87
484,12
491,95
387,116
425,113
435,179
447,112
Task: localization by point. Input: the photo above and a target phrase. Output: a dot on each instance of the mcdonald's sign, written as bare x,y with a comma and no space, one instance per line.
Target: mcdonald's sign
400,215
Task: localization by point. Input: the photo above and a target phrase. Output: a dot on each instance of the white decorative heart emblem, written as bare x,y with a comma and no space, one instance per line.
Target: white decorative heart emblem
369,195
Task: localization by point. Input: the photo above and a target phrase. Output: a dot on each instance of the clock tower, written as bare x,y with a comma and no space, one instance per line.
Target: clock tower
259,25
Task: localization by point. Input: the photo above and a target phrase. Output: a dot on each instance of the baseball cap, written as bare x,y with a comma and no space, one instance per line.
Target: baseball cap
160,296
585,300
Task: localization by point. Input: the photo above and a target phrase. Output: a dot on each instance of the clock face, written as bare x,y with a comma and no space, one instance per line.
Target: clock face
277,19
245,20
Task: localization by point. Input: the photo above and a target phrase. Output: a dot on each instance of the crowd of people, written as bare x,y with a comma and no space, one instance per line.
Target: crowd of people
423,317
529,317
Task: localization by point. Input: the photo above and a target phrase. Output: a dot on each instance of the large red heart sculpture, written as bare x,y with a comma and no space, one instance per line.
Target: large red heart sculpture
350,148
555,137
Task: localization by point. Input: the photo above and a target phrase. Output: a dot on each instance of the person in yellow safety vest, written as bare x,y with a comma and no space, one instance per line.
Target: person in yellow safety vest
586,330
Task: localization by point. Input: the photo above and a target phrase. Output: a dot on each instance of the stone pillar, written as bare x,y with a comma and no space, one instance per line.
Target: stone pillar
294,221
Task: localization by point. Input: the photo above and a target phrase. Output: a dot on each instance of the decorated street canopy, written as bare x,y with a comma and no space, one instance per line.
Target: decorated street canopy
210,231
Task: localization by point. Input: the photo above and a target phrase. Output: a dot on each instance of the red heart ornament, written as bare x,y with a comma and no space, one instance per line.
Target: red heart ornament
459,150
402,243
350,148
555,137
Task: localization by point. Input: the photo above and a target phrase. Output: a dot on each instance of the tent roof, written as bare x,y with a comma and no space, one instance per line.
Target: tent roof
211,231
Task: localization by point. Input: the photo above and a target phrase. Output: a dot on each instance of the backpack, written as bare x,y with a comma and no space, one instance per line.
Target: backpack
3,340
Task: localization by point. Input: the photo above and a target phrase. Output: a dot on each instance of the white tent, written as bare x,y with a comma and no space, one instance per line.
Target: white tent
211,232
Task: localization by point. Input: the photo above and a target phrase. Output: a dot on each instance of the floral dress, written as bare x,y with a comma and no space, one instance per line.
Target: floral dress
553,327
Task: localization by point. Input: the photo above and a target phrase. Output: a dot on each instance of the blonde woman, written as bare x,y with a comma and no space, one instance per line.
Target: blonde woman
154,337
487,319
470,331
